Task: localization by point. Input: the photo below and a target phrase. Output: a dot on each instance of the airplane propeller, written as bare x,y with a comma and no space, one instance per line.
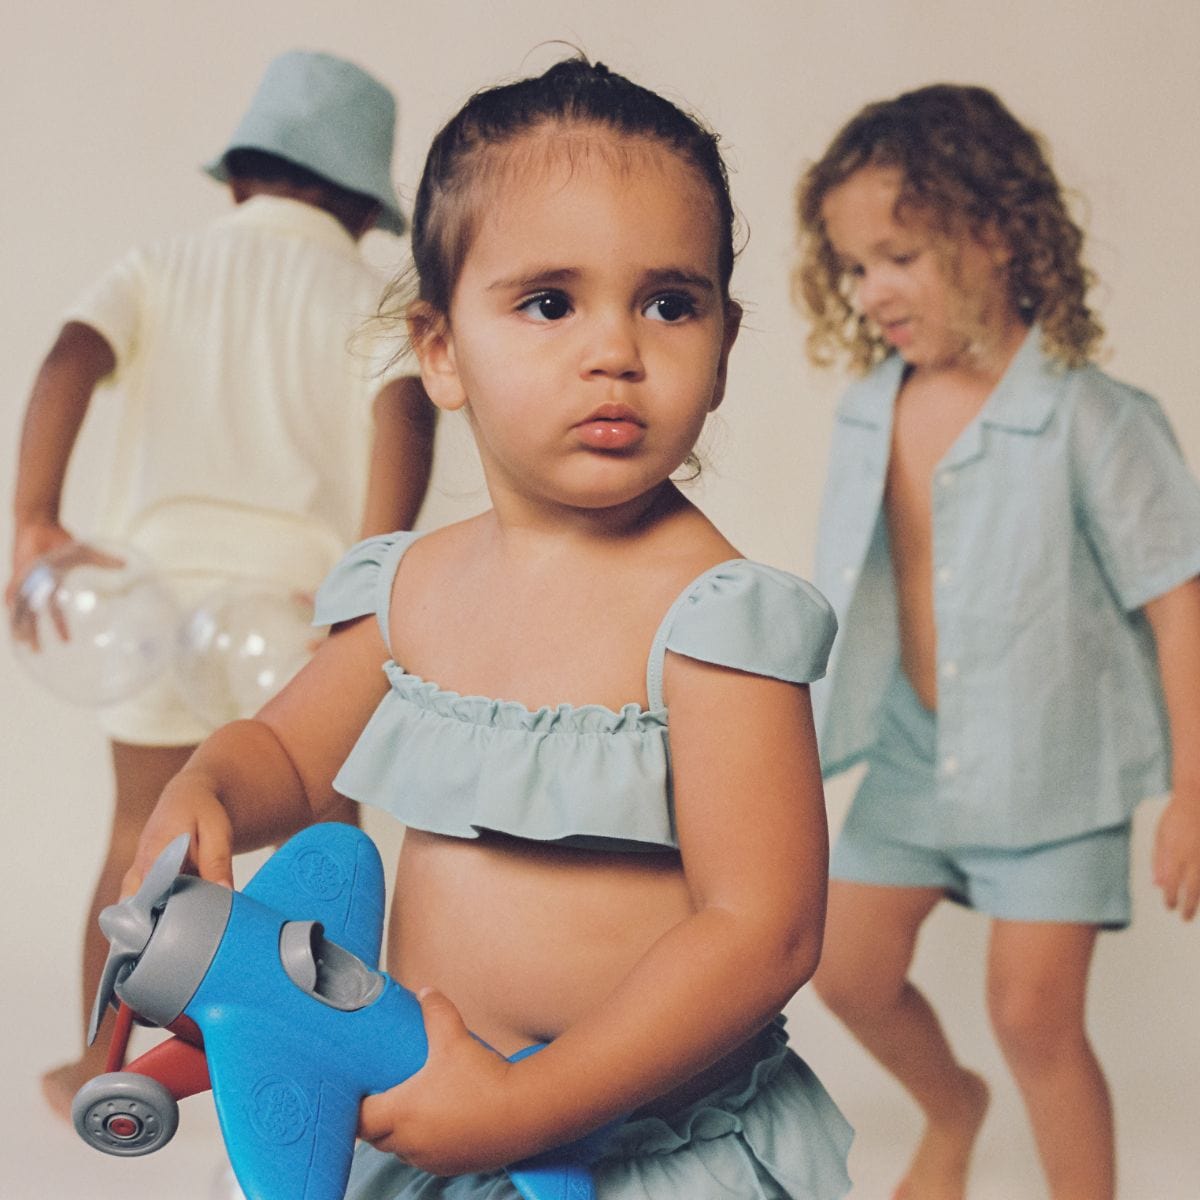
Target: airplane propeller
129,924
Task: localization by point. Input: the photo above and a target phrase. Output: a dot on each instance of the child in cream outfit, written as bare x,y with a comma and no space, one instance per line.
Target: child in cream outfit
249,414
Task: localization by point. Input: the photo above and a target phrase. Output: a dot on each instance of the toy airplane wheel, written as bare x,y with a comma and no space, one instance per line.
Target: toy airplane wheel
125,1114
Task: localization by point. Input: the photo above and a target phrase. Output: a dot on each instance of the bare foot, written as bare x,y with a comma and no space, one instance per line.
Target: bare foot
938,1170
60,1085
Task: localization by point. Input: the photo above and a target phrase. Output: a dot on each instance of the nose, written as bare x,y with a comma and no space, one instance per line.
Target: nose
611,349
871,289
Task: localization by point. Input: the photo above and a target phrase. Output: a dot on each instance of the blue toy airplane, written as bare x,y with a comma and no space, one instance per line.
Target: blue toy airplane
276,1001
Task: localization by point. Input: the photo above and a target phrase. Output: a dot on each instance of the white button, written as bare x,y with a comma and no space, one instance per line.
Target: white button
949,765
945,574
848,574
946,478
950,669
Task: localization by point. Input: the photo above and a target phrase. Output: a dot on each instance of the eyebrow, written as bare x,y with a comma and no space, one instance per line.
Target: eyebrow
548,276
887,245
674,275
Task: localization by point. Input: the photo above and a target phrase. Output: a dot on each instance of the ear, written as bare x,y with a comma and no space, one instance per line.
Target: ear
733,322
433,343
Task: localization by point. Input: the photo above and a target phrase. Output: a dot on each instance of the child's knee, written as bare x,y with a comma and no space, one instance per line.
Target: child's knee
1032,1022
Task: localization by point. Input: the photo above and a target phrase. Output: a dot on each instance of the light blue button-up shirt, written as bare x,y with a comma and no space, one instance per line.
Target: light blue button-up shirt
1062,508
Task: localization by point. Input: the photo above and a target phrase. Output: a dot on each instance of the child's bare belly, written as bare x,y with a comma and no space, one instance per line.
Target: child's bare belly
525,939
913,570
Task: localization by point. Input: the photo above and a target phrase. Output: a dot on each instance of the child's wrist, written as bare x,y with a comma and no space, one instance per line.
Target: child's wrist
28,518
535,1104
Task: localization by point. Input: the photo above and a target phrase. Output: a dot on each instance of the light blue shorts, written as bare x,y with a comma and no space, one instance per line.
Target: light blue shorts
890,837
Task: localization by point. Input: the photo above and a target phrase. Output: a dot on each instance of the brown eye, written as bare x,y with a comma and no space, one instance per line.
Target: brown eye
546,306
671,308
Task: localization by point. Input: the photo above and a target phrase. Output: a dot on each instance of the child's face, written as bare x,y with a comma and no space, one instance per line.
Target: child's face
587,334
936,300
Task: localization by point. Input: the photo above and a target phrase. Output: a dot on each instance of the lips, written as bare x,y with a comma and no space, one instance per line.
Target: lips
613,412
611,427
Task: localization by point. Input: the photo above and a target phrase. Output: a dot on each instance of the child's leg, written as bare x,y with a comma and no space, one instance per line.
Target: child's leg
141,772
870,937
1037,981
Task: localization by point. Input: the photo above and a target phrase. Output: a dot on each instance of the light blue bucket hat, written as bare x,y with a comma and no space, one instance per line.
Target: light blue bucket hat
329,116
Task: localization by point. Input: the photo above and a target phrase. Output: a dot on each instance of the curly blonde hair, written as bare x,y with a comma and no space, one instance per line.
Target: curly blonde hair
966,163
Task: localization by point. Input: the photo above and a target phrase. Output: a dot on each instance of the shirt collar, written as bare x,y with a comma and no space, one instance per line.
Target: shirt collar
288,216
1028,390
869,400
1022,400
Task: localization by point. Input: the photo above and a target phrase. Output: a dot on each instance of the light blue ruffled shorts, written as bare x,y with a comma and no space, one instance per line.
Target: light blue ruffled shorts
770,1132
890,838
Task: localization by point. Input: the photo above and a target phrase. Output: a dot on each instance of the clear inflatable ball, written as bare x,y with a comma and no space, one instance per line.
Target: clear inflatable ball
94,623
239,646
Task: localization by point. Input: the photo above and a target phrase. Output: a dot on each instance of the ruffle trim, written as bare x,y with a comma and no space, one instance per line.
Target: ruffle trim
460,765
770,1133
510,714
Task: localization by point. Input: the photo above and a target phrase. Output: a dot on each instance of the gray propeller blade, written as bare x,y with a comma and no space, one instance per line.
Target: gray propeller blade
129,924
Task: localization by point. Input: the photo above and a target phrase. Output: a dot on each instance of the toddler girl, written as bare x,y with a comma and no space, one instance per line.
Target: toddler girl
589,712
1011,540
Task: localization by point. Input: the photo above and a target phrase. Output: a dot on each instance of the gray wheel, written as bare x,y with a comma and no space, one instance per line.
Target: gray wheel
125,1114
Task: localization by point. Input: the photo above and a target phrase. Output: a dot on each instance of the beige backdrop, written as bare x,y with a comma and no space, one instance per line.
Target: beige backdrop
108,108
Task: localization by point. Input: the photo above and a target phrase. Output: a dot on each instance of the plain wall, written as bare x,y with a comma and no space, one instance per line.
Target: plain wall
106,112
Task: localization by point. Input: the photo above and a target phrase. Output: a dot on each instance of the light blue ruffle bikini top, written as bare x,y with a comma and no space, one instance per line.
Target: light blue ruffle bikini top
578,776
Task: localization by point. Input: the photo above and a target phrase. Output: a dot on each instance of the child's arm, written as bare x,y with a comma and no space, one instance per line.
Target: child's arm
1175,619
58,403
254,782
751,822
401,456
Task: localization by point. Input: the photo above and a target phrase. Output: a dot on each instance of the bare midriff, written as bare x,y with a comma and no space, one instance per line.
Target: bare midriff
526,938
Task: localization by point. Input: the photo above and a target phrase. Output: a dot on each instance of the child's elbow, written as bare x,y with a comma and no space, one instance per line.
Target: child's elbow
791,961
802,956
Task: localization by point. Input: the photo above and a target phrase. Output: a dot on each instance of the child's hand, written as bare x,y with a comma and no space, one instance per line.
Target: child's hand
30,542
1177,854
456,1115
186,805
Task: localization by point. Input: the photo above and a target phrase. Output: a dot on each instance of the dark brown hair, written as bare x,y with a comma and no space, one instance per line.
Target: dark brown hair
249,164
573,92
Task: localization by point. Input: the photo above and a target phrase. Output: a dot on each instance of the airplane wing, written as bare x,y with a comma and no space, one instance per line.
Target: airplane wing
553,1181
329,873
288,1131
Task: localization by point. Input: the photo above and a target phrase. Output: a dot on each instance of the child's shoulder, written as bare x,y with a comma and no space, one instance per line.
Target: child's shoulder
1089,387
753,618
359,581
1099,408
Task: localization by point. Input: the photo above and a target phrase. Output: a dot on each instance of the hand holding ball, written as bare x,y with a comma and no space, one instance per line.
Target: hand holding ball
93,623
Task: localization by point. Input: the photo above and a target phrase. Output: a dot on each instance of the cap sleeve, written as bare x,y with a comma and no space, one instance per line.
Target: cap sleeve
361,582
753,618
